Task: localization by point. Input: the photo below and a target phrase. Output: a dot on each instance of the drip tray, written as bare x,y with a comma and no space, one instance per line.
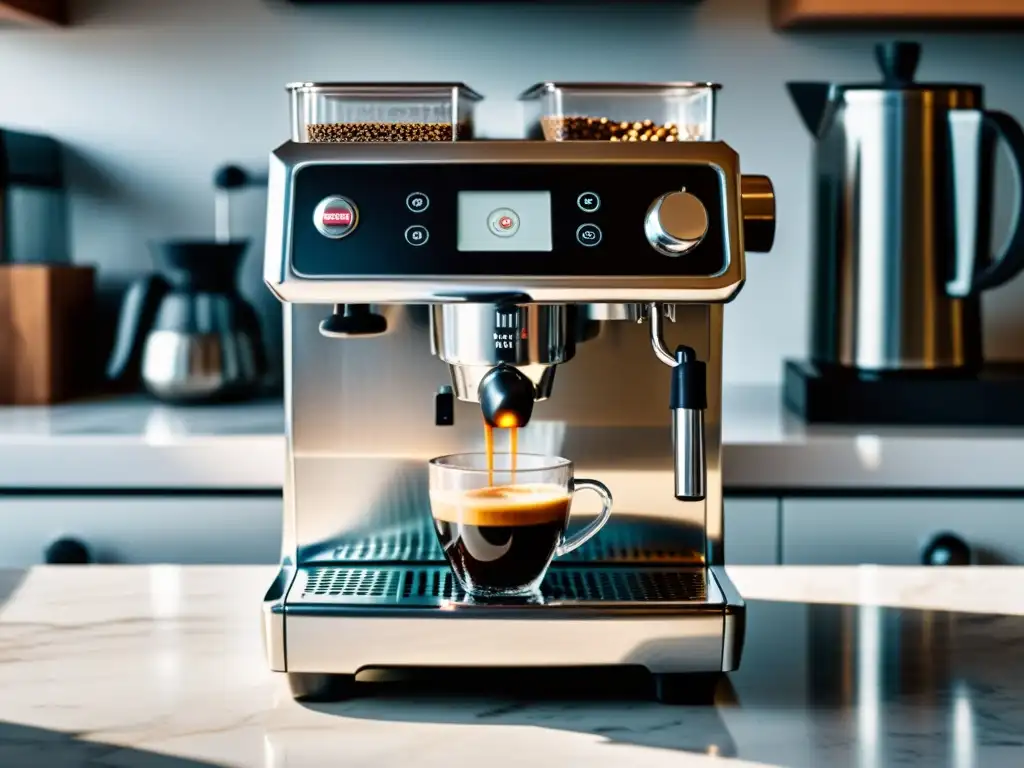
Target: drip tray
434,586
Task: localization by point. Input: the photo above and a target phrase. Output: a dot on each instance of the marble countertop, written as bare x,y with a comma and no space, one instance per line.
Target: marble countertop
163,667
136,443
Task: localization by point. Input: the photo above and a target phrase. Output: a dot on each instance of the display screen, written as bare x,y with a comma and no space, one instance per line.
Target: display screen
504,221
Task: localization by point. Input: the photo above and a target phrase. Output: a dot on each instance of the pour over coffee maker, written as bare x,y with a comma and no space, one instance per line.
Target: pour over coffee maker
185,332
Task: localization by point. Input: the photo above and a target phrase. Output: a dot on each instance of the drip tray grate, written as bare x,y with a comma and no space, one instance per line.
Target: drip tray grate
564,585
625,539
414,544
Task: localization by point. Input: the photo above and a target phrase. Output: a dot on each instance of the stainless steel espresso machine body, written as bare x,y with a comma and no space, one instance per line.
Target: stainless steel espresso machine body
404,315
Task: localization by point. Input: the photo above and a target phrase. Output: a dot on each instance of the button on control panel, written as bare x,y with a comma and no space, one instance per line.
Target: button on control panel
417,202
417,235
588,235
503,222
588,202
336,217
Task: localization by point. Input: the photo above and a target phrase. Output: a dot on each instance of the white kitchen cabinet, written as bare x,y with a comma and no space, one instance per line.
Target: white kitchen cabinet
751,531
897,531
143,529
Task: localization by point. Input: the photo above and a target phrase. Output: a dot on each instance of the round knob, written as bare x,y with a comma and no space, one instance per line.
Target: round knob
67,551
675,223
946,549
758,201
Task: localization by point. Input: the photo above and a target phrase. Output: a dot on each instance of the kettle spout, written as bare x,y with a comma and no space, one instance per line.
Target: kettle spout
812,101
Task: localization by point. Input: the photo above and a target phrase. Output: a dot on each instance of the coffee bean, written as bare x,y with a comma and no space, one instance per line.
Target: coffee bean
603,129
386,132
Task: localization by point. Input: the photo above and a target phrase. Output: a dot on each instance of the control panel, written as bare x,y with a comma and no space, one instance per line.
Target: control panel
365,220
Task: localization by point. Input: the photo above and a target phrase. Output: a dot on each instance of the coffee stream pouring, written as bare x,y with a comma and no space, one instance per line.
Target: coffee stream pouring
495,268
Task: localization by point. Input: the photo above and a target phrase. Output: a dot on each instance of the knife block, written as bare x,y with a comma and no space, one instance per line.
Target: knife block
46,318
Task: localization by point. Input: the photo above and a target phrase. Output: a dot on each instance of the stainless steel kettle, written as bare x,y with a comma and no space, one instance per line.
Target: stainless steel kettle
903,207
188,333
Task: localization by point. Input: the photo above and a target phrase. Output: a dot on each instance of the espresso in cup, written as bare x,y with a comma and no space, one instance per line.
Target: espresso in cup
501,519
501,537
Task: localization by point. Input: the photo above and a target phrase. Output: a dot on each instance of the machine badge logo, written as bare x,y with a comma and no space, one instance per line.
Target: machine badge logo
337,217
506,326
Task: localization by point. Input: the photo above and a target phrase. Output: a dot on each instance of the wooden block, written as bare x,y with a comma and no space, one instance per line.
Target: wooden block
34,12
46,314
794,14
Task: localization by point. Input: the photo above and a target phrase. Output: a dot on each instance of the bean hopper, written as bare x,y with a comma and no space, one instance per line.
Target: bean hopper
418,267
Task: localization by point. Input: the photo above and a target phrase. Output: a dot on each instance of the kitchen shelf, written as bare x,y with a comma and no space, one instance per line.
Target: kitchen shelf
34,13
823,14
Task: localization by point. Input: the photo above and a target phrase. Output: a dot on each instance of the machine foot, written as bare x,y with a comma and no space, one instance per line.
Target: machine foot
310,686
685,688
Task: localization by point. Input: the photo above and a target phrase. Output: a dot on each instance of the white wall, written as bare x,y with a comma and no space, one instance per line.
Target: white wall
151,96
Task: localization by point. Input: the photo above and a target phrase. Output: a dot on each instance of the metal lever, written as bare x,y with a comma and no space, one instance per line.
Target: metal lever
655,317
688,401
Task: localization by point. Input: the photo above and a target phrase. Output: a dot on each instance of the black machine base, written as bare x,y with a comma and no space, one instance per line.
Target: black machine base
579,683
992,397
313,687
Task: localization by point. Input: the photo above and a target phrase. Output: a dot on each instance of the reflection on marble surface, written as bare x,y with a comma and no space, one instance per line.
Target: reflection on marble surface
163,666
974,590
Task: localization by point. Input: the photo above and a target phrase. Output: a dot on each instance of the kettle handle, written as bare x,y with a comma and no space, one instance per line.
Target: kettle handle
138,311
966,129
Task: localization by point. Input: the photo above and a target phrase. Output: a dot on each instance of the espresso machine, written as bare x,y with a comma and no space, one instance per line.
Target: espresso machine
429,282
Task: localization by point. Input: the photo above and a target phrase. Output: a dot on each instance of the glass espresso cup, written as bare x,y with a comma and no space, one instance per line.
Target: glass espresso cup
501,528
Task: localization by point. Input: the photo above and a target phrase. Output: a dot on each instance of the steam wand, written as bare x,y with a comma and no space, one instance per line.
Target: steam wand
688,400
